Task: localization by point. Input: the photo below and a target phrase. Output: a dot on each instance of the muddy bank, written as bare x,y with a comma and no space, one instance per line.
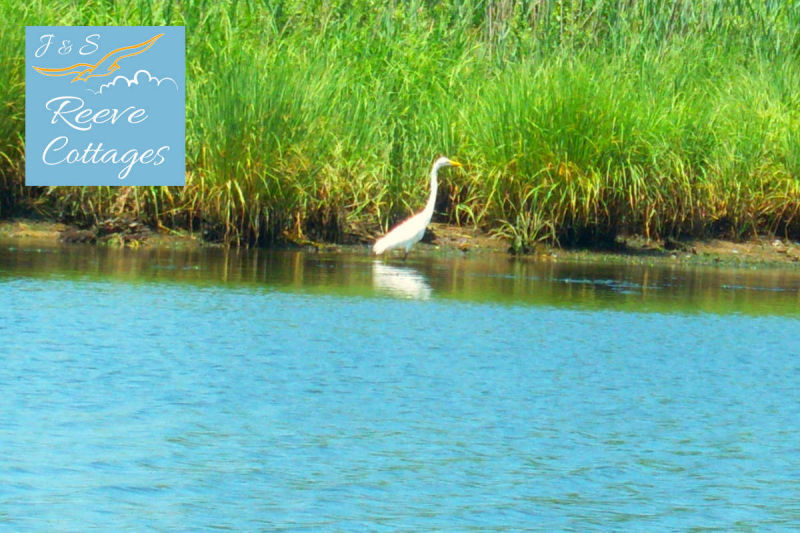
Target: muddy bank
441,239
120,232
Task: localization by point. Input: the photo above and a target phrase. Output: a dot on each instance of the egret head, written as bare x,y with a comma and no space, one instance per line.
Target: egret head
445,162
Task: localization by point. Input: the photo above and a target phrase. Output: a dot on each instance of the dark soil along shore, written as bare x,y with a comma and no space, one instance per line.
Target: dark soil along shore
440,239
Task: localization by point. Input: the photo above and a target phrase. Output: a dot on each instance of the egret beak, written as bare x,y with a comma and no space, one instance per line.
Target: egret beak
455,163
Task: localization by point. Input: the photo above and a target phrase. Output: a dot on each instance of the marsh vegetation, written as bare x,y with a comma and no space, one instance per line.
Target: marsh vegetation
578,120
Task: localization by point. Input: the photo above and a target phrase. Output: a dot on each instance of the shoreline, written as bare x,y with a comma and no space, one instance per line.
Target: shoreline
440,239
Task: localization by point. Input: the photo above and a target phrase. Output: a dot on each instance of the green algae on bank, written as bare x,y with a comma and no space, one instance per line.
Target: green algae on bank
45,232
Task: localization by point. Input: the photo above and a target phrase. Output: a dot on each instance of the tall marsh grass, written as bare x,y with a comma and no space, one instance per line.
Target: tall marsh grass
577,119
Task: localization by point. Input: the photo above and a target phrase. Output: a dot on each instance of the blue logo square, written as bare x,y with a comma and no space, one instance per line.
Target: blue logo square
105,105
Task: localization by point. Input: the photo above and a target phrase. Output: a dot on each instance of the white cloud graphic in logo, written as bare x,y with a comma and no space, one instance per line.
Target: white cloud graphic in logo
135,80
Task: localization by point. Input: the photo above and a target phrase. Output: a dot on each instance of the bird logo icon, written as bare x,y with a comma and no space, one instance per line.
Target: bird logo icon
107,64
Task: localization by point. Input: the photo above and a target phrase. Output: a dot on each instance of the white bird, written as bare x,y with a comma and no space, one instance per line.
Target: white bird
411,230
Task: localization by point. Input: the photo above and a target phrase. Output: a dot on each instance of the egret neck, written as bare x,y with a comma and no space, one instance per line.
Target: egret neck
428,211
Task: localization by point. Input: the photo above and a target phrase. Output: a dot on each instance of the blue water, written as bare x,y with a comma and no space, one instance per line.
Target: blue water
157,403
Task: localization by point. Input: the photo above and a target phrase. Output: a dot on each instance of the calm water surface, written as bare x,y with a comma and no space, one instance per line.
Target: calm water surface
285,391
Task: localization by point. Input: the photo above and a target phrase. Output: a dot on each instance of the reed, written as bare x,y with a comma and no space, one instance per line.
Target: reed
578,120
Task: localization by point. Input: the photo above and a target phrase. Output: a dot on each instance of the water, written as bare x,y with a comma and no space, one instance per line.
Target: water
284,391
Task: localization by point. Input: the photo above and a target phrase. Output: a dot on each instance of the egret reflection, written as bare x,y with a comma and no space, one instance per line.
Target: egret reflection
404,282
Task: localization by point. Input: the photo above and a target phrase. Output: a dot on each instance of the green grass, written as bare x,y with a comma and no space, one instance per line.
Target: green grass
577,120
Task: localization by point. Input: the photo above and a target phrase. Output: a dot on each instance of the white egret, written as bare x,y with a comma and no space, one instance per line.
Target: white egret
411,230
